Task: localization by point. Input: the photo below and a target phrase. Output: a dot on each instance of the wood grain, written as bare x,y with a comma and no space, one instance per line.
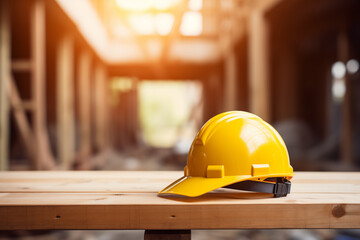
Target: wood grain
129,200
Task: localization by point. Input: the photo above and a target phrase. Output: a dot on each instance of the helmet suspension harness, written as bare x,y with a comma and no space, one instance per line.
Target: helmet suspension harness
280,187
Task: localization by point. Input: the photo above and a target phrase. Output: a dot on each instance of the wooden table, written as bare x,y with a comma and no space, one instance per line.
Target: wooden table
129,200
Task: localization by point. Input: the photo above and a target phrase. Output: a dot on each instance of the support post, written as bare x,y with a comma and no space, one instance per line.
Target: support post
100,107
5,59
65,102
43,156
259,66
167,235
347,139
84,78
230,94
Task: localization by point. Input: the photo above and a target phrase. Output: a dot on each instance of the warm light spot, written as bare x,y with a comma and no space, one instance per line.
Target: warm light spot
84,15
136,5
352,66
338,70
164,22
145,5
120,30
338,89
165,109
195,5
191,24
121,84
164,4
148,24
142,23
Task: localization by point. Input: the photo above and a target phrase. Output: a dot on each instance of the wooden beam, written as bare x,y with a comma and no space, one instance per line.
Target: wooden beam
259,66
65,102
24,105
5,60
38,46
266,5
174,32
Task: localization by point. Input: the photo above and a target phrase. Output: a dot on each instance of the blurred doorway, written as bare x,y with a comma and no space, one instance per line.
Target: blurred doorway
170,112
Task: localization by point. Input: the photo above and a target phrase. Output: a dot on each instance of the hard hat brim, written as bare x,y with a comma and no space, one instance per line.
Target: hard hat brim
196,186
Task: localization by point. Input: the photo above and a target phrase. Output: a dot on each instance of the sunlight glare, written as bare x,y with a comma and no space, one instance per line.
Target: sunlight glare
191,24
195,5
142,23
145,5
164,22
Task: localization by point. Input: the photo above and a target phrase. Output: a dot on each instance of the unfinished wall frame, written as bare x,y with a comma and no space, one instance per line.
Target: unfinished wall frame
33,133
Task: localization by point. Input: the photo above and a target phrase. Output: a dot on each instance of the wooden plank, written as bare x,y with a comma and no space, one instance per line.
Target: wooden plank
145,197
143,176
180,216
5,59
129,200
113,182
65,102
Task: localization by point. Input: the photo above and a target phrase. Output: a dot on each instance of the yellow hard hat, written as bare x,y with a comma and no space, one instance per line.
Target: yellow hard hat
235,150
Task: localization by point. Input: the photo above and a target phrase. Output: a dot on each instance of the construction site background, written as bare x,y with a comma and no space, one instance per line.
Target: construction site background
126,85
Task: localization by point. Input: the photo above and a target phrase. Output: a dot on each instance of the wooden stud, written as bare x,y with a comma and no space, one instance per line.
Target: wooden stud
65,102
44,157
259,66
230,83
100,115
347,139
132,118
84,78
22,123
5,59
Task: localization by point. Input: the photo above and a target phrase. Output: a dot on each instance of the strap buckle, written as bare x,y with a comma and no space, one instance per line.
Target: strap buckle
281,189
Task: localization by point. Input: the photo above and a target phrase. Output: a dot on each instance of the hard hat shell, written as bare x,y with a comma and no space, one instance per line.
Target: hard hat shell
232,147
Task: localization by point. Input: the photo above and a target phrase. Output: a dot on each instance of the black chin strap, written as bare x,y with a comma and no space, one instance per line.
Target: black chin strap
280,188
